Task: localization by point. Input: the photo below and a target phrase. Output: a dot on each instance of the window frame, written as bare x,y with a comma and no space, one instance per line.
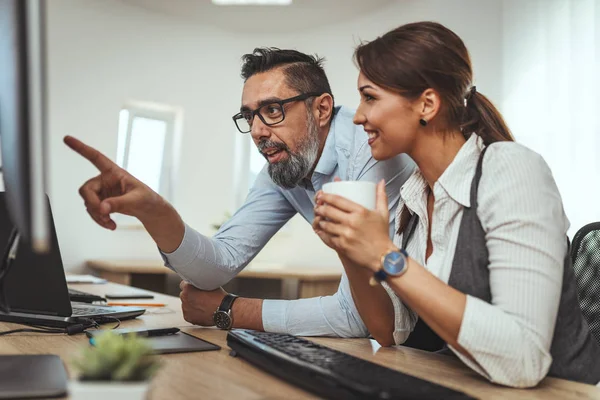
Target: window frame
173,117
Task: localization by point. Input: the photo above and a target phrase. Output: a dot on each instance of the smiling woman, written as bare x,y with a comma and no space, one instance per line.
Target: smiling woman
484,236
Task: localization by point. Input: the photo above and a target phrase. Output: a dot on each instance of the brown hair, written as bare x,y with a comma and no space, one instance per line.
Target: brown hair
422,55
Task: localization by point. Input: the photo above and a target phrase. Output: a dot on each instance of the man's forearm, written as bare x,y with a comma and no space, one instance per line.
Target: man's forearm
247,314
373,303
165,226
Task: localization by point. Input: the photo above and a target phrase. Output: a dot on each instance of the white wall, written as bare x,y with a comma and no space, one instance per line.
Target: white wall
551,58
103,53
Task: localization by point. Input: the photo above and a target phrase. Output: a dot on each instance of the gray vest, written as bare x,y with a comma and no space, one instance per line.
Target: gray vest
575,353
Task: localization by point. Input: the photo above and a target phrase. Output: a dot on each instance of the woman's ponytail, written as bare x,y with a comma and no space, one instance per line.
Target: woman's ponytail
483,118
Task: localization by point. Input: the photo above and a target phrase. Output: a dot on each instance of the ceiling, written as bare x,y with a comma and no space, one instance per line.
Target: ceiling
300,15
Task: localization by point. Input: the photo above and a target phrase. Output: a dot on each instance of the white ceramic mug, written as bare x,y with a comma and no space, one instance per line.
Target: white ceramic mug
360,192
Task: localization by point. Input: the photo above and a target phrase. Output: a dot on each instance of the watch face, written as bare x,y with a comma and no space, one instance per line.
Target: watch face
394,263
222,320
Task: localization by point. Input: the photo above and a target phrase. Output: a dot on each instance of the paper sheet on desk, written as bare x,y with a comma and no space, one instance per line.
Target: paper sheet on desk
84,279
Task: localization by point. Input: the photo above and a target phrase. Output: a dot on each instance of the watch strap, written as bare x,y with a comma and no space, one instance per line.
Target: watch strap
227,302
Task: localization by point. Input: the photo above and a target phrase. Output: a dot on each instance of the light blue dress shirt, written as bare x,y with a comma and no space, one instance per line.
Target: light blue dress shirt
208,263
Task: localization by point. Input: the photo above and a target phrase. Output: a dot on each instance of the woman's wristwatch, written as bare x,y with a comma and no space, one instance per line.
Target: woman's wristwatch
393,263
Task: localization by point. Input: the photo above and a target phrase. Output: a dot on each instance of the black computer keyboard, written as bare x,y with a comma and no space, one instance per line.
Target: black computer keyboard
330,373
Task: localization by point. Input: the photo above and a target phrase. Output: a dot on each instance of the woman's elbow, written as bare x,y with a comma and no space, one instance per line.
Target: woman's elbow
533,368
384,338
521,381
385,341
382,333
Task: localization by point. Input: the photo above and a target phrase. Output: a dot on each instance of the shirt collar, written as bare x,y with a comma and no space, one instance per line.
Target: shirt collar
456,179
413,195
458,176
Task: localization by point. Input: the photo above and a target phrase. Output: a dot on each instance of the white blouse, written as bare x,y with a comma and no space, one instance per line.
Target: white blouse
522,215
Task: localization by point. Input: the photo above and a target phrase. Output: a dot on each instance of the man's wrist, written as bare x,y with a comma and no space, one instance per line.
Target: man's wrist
164,225
155,207
247,314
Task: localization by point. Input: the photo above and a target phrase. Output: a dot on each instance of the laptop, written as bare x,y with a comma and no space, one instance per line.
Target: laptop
36,288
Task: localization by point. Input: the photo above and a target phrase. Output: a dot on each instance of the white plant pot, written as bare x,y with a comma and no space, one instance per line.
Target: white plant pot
99,390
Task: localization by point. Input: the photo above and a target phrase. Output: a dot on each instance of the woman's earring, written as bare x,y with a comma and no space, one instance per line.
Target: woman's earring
423,122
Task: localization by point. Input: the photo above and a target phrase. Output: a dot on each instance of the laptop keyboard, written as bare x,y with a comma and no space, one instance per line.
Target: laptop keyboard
86,310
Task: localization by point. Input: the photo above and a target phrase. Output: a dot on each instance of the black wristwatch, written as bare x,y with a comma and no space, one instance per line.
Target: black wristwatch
222,317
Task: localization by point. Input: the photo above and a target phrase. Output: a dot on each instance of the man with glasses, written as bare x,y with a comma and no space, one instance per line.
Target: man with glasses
288,109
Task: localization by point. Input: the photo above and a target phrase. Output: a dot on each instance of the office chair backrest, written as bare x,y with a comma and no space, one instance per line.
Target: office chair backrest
585,254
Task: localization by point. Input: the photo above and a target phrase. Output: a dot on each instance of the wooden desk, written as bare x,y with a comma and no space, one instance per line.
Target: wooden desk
216,375
296,282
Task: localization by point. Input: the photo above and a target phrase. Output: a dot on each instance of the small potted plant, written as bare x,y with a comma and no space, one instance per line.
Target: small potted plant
116,367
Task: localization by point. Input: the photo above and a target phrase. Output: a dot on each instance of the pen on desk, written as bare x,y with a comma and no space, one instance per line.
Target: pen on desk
116,303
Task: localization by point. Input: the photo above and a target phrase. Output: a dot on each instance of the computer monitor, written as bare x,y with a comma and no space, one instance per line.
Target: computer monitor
23,119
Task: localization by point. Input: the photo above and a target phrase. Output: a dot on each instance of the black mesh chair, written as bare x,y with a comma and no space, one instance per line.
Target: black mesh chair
585,255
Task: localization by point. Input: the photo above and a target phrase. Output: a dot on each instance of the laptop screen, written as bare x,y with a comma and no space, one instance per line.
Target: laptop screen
36,282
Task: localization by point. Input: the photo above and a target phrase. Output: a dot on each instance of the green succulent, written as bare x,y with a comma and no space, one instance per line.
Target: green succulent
116,358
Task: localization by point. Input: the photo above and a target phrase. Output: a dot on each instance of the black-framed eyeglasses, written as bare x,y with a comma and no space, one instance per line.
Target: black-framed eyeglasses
270,113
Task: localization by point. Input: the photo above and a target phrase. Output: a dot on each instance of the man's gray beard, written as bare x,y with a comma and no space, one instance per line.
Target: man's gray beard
289,173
